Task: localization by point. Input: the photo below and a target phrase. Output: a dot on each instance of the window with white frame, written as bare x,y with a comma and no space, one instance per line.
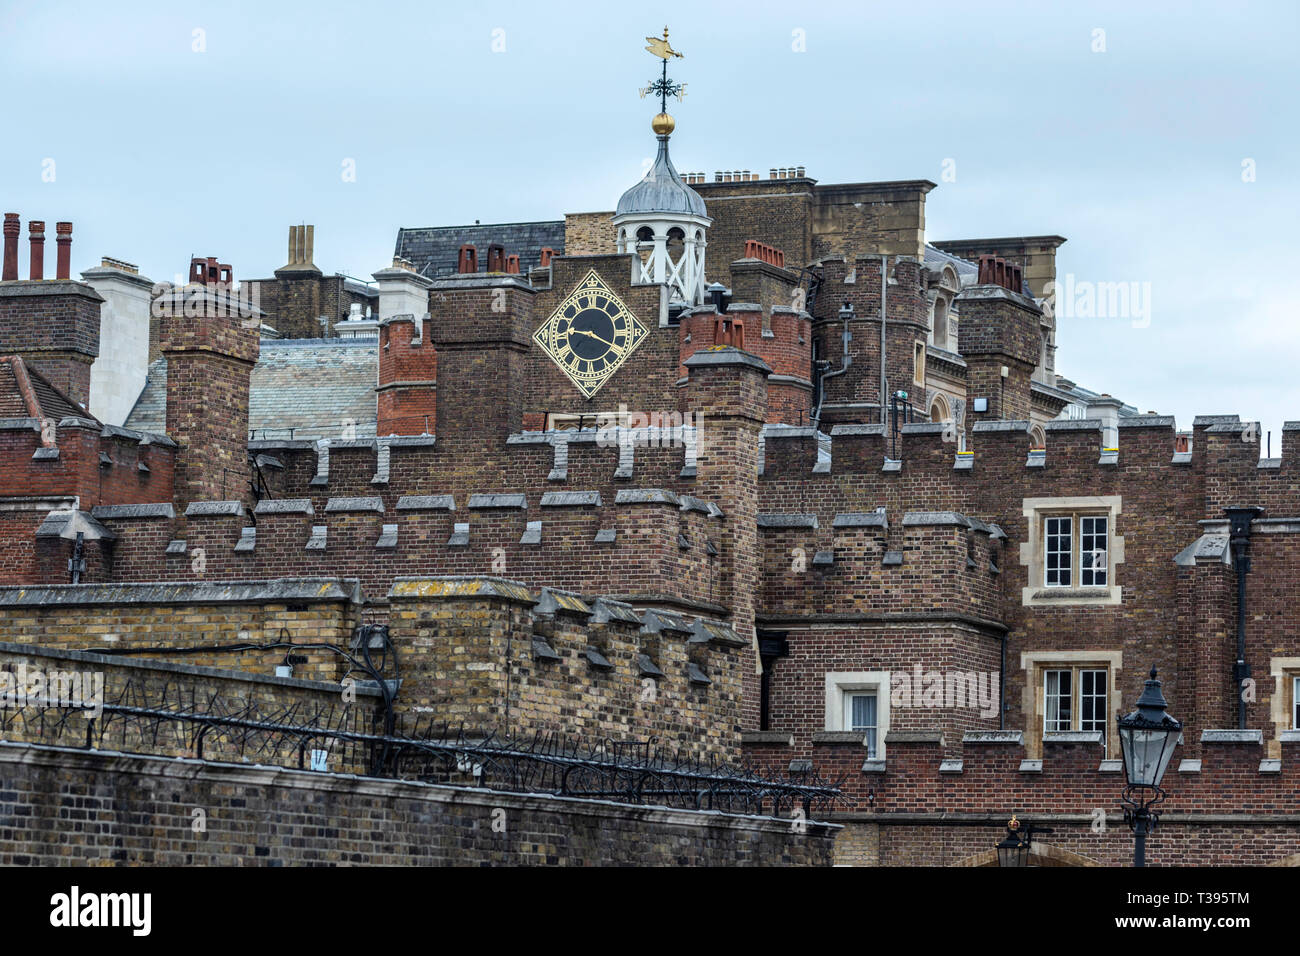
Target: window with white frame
1076,541
861,716
1073,551
858,702
1093,559
1058,551
1074,698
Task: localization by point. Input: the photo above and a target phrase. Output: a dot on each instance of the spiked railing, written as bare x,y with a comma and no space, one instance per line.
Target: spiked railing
161,716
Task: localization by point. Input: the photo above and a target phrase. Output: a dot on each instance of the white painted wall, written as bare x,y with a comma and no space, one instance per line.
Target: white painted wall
118,375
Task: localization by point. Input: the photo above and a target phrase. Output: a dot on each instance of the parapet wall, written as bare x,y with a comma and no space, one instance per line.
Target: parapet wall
185,622
652,545
140,810
1232,805
495,656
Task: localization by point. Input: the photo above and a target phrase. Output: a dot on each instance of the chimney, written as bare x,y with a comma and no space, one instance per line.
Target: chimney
406,396
301,250
36,235
467,261
53,325
117,376
63,260
12,228
404,292
496,258
481,322
210,356
1000,340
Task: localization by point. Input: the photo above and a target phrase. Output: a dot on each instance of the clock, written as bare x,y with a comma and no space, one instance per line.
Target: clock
590,334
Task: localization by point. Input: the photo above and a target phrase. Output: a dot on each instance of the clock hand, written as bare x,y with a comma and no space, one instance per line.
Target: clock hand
593,335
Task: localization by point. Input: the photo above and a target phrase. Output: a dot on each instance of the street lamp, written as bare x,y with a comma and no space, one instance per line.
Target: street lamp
1014,848
1147,738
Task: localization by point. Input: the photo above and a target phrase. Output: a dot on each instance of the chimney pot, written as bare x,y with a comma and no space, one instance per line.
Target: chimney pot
63,260
36,235
11,229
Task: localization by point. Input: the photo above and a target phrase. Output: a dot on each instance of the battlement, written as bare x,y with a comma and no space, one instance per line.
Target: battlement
916,770
647,545
497,655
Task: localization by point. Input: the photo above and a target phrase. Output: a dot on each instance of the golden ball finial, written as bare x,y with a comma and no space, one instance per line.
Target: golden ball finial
663,124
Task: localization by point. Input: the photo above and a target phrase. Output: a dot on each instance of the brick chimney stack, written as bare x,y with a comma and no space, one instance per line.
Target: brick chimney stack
63,261
12,227
36,235
1000,340
406,397
482,326
52,324
210,356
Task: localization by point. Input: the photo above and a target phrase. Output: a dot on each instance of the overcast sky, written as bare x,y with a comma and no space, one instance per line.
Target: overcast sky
1160,139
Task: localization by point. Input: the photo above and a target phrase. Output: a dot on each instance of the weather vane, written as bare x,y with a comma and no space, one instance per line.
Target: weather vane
663,86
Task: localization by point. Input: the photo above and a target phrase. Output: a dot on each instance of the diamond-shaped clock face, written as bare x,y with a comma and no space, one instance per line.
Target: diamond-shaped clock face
591,334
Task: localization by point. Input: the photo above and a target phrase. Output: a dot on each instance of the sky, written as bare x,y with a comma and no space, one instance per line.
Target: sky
1159,138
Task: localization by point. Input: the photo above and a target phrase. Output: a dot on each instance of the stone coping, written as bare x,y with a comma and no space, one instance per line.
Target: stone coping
260,775
275,591
364,688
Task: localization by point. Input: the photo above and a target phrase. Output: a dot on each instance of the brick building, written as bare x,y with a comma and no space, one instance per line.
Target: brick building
827,510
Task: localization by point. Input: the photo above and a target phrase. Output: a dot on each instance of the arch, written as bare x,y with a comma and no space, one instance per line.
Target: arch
1037,437
939,409
1040,854
645,234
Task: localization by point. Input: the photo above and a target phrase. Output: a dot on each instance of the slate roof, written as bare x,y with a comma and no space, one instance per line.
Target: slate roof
300,388
967,271
435,250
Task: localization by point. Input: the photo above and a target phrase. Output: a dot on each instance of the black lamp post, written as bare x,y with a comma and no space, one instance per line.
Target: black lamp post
1147,738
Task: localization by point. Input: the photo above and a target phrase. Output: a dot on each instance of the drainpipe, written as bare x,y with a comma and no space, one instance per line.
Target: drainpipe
884,282
1239,525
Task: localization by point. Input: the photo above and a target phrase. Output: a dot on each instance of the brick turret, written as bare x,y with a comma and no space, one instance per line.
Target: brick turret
857,396
727,393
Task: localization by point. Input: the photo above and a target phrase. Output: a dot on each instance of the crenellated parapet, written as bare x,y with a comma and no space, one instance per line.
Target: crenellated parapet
648,545
496,655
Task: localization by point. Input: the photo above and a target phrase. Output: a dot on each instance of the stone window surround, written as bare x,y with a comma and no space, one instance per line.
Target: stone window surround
1035,510
1285,671
1033,663
841,683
